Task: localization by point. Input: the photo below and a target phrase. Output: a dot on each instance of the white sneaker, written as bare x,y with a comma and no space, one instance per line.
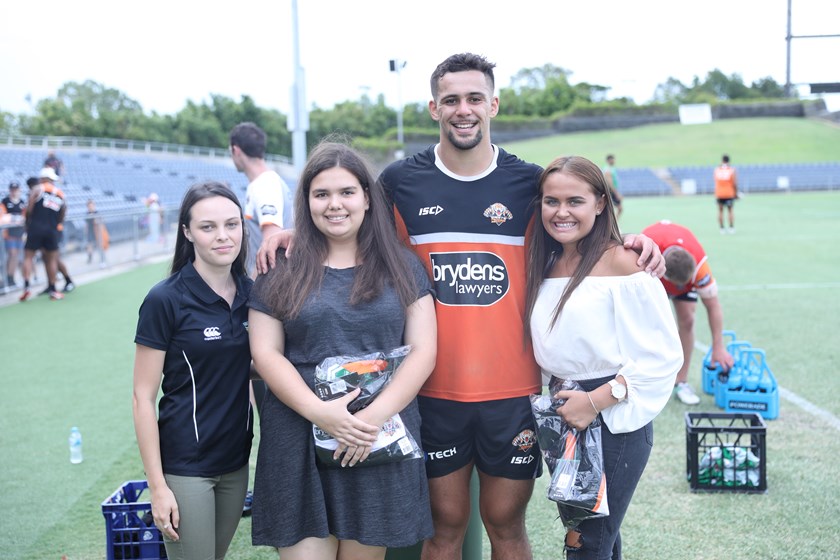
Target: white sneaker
686,394
731,230
722,231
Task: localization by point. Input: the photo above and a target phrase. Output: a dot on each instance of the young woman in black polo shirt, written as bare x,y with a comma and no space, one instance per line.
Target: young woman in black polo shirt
192,338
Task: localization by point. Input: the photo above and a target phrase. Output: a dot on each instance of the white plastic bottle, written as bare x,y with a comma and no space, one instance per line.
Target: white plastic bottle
75,445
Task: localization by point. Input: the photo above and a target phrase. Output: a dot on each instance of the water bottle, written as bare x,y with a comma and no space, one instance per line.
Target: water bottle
765,385
75,445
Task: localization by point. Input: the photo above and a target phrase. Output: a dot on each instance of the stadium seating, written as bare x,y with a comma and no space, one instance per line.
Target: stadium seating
766,178
641,181
120,182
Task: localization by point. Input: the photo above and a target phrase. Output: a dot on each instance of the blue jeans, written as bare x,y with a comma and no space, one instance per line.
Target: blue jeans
625,458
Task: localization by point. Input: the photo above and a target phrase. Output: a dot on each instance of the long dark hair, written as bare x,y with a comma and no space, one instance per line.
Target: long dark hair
380,254
184,250
543,249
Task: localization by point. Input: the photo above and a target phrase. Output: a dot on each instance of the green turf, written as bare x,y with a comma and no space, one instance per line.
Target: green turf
69,363
779,275
754,141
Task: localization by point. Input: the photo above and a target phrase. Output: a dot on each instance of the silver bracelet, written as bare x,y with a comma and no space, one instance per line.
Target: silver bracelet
592,403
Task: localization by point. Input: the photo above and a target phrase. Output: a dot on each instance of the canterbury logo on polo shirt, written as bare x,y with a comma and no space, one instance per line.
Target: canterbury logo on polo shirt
212,333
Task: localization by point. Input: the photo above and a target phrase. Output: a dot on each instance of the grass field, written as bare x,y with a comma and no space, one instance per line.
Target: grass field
69,363
754,141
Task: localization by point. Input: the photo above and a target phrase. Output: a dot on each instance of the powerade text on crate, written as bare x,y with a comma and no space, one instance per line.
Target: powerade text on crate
130,531
726,452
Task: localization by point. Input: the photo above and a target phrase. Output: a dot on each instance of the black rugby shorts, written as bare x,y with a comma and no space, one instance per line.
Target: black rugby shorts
499,436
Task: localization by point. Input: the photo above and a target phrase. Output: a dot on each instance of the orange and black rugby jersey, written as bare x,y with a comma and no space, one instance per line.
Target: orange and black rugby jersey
46,210
470,233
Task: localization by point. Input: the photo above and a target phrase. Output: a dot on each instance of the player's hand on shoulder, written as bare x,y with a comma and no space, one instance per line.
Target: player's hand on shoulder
620,261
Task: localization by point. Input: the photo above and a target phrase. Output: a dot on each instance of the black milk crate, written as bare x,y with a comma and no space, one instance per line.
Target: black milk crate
726,452
130,531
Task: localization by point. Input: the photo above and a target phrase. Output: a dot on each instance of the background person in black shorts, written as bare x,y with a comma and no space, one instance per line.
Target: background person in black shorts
44,218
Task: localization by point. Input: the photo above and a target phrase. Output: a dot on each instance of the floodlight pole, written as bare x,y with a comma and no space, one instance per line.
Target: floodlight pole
299,117
396,65
788,39
832,87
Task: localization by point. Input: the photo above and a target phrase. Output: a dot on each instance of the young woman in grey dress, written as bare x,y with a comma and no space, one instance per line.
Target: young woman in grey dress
350,288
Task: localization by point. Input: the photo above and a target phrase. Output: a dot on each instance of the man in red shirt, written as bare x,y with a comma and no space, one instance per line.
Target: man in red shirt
688,276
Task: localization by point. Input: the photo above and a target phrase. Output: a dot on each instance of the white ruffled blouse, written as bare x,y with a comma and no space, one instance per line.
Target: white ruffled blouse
611,325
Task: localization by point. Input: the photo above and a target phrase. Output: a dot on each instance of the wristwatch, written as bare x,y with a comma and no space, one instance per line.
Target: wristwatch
617,390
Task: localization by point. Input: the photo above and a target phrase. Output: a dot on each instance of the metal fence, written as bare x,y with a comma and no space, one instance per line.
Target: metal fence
133,236
54,142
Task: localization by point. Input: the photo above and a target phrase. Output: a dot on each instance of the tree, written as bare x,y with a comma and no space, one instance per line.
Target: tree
544,91
87,109
768,88
196,125
8,123
671,91
361,118
416,115
274,123
717,86
723,87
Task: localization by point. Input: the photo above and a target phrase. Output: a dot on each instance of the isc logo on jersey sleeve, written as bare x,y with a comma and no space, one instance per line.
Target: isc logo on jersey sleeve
469,277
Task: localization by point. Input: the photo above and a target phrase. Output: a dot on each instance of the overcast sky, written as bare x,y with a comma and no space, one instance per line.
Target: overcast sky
163,53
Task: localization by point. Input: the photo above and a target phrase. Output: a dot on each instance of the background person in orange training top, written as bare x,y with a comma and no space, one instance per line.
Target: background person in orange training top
726,191
688,276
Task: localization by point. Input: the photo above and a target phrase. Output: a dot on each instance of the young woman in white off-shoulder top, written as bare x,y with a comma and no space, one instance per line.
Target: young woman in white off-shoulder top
596,318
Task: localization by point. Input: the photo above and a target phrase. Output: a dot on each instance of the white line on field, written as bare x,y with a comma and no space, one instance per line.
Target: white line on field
810,407
793,398
793,286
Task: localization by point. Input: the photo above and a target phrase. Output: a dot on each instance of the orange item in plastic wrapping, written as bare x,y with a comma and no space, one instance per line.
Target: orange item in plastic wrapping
365,366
